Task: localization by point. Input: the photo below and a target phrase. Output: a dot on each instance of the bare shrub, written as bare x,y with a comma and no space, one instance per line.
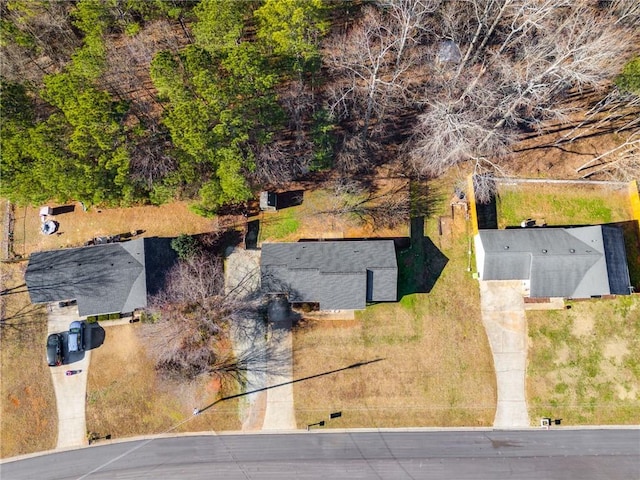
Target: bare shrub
188,336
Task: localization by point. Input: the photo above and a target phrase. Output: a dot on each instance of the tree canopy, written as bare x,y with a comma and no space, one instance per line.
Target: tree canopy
121,101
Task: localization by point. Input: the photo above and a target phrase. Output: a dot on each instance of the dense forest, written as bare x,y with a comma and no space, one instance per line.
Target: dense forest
115,102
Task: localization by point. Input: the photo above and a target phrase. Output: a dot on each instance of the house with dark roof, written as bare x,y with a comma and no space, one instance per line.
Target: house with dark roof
103,279
579,262
338,275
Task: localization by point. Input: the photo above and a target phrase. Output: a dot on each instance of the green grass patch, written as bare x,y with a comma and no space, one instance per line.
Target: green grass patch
279,225
583,363
561,205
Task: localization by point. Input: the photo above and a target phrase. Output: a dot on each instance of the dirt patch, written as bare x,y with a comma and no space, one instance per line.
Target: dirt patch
616,349
77,226
582,325
545,155
625,393
562,355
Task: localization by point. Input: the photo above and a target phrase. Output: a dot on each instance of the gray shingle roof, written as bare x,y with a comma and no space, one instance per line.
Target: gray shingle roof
559,262
339,275
103,278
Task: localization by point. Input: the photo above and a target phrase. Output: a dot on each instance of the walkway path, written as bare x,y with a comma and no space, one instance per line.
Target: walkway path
504,320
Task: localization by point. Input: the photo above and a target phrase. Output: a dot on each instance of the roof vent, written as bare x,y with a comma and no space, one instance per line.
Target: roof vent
506,247
572,250
544,250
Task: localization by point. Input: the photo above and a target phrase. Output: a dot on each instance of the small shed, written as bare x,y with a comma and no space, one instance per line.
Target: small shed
268,201
44,211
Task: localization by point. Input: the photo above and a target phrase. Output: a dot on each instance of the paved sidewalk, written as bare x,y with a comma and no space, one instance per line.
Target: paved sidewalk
504,320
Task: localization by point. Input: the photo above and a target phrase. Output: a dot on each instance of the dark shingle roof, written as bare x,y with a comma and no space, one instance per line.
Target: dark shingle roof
559,262
103,278
616,257
339,275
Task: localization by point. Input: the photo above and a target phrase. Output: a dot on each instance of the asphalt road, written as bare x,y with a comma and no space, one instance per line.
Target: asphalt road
477,455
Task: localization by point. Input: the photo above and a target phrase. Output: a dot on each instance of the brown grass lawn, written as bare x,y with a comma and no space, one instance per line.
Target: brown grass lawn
78,226
435,365
313,219
584,363
28,422
126,397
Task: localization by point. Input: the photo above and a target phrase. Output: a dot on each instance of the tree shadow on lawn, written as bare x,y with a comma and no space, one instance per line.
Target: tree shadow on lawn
310,377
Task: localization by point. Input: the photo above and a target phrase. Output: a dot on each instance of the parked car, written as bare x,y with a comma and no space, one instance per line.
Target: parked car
54,349
75,340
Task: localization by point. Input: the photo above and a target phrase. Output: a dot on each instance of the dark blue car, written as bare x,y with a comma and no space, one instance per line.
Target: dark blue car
54,350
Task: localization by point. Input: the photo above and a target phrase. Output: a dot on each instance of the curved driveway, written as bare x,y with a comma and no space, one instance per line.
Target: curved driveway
383,454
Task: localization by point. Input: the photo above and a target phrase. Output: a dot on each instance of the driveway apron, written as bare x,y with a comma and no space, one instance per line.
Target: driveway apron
504,320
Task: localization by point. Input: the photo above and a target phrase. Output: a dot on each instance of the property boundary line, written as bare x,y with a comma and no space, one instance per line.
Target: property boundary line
634,198
473,213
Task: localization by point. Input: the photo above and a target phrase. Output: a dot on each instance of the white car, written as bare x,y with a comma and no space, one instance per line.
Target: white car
75,340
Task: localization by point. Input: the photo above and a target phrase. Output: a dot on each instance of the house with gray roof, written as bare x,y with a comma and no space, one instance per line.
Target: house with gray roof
103,279
338,275
580,262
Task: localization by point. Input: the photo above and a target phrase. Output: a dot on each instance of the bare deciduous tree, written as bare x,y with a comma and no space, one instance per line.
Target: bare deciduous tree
521,60
386,210
47,39
192,315
373,68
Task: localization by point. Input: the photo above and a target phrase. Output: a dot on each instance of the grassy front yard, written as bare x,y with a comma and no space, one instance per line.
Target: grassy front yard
126,397
435,366
584,362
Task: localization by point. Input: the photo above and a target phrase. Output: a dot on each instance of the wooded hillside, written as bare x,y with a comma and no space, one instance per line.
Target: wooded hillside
123,101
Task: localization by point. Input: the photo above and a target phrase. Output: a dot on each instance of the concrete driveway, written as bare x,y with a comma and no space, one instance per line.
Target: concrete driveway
270,349
71,391
279,412
505,322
